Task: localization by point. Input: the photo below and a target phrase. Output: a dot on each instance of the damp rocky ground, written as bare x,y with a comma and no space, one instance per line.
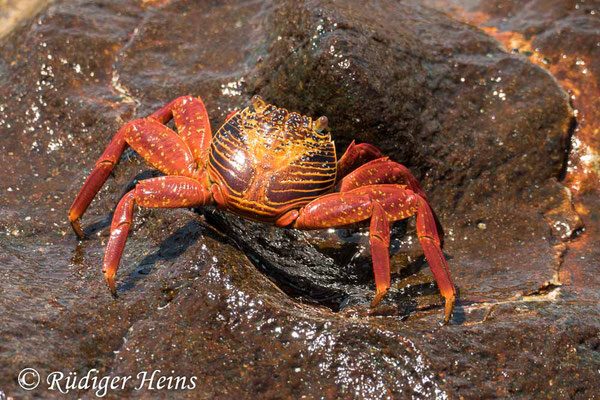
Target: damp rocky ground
492,105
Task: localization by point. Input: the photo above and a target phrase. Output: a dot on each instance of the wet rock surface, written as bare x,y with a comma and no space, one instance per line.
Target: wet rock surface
251,309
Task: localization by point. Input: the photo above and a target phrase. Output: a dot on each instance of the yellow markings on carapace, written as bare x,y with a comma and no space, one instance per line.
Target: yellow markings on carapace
278,146
230,140
298,200
213,149
300,173
221,180
300,190
303,181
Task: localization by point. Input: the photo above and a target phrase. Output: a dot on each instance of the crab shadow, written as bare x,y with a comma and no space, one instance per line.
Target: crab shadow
331,270
319,267
173,247
102,224
337,279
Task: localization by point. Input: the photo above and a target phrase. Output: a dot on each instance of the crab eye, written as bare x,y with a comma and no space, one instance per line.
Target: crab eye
258,103
320,124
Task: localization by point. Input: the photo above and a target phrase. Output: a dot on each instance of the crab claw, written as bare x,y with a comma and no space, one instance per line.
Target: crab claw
258,103
320,124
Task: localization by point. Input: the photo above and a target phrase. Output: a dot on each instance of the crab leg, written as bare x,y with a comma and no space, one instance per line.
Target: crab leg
156,143
384,171
356,155
152,140
192,123
96,179
161,192
379,236
380,171
161,147
383,204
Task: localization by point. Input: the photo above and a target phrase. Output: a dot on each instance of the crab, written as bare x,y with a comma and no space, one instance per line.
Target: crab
268,165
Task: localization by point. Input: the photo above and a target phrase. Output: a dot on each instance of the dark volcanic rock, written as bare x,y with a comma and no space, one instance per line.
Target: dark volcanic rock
483,129
443,98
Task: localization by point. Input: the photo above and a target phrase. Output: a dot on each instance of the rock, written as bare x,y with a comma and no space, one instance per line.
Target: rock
431,92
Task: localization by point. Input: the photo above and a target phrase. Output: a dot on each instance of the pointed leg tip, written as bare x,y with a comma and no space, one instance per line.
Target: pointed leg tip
110,281
378,298
76,225
449,309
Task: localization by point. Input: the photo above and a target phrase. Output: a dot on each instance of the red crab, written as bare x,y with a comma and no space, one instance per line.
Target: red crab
269,165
